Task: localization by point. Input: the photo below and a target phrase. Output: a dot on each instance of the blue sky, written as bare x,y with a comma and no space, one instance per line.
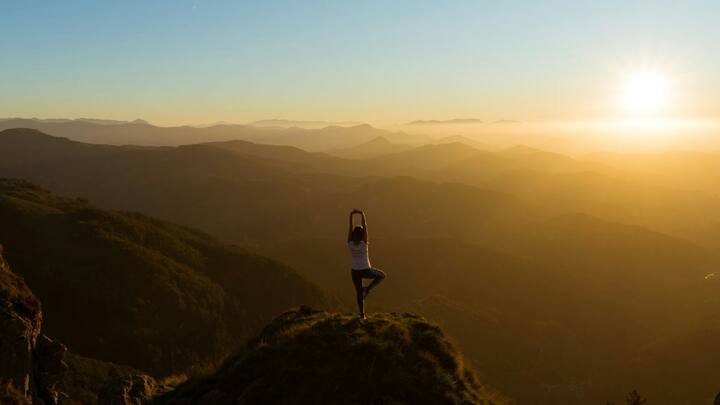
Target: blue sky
198,61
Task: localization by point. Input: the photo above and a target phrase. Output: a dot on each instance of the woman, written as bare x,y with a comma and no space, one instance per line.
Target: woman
361,268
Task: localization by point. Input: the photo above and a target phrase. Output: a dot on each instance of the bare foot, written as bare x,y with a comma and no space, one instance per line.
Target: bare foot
366,291
363,317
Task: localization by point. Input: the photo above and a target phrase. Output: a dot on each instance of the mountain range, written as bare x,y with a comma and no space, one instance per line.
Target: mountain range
141,133
302,124
447,122
555,275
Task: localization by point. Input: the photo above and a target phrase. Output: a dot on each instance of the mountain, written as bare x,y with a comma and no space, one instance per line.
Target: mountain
301,124
309,356
555,275
461,161
88,120
680,169
134,133
372,148
335,137
133,290
238,191
557,184
285,156
422,159
462,121
464,140
141,133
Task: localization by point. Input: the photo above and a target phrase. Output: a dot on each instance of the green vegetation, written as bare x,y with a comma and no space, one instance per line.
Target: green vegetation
309,356
14,290
129,289
86,377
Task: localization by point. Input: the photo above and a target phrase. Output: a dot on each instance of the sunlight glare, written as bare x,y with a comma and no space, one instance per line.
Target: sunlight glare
645,92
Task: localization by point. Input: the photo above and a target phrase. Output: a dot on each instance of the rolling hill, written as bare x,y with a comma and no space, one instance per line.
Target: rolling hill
133,290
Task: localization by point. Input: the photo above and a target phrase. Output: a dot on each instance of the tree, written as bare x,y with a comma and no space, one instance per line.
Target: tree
633,398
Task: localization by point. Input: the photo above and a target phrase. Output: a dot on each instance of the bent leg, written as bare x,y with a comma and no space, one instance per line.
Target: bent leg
360,294
377,275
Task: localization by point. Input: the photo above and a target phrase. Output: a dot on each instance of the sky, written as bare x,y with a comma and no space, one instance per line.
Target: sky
201,61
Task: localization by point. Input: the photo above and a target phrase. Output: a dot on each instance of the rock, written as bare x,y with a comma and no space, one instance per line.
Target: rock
136,389
31,364
20,330
50,367
9,395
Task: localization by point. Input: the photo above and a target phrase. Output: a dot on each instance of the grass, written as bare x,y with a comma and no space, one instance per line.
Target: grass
86,377
14,290
309,356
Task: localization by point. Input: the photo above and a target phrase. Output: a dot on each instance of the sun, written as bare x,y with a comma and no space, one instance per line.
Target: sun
645,92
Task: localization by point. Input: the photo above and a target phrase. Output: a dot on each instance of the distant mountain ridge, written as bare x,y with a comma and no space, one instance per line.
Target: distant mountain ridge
465,140
98,121
302,124
141,133
372,148
450,121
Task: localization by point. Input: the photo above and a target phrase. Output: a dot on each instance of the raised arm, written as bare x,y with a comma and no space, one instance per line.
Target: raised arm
364,225
350,227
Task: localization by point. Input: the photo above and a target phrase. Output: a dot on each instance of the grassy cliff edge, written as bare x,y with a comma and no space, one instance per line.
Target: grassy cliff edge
311,356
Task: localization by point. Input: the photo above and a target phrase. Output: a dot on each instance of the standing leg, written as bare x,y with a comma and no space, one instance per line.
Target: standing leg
359,291
377,275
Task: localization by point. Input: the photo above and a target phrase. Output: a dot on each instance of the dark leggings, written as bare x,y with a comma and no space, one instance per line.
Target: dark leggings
376,275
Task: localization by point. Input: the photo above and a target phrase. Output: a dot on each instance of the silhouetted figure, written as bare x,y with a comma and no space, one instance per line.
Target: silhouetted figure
717,399
361,268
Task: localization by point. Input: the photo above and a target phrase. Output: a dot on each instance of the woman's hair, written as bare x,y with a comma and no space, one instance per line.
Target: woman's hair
358,234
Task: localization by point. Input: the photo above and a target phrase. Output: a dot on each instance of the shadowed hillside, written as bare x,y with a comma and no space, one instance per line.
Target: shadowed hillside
314,357
133,290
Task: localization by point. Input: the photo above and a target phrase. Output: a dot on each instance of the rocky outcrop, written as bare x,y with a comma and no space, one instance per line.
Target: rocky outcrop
49,368
307,356
136,389
31,364
20,320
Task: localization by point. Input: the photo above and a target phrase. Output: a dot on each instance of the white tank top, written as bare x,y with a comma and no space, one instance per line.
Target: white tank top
359,255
